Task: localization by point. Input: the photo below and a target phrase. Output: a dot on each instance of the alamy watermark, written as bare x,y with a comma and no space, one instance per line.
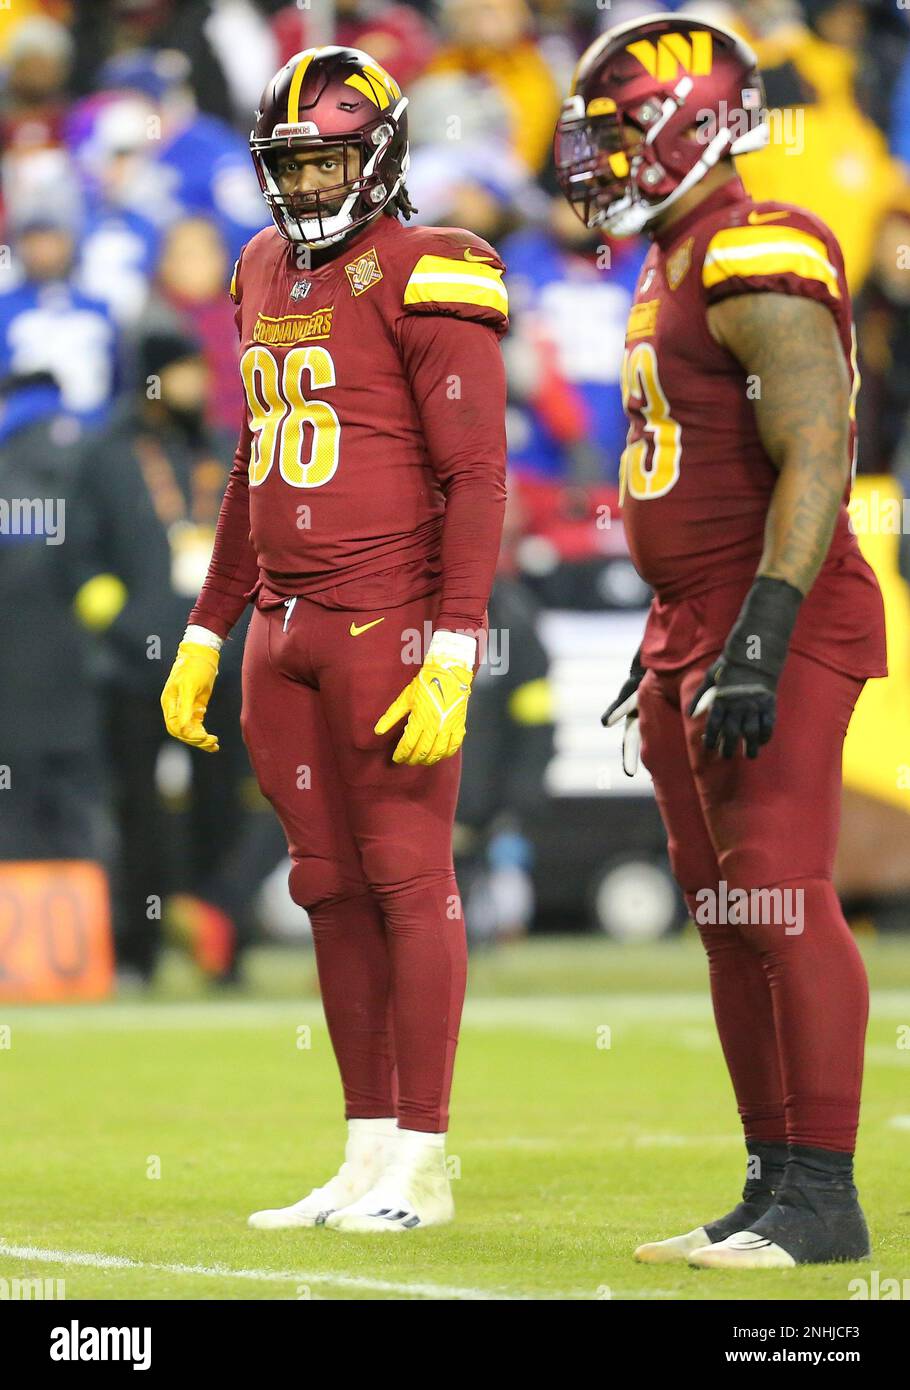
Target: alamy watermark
742,907
34,516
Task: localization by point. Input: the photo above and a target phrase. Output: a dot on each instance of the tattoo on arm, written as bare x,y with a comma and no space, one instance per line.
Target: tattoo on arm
791,346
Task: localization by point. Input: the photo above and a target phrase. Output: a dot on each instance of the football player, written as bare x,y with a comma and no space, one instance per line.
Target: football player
766,621
363,517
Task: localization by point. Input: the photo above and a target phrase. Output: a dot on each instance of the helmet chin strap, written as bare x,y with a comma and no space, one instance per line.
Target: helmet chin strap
632,213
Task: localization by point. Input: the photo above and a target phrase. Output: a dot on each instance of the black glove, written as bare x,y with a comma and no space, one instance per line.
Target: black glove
740,688
625,706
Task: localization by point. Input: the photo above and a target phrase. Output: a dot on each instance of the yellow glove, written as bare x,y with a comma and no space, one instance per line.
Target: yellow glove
186,695
435,703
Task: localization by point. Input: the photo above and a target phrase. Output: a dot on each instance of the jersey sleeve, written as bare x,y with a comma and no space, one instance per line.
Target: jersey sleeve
458,275
464,431
779,252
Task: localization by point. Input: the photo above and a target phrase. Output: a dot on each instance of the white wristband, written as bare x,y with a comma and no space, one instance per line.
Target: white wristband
453,646
203,636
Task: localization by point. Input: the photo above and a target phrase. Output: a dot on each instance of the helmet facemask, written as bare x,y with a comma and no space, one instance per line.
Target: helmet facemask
592,160
320,217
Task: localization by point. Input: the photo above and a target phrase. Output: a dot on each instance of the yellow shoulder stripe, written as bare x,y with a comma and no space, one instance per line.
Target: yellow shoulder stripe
233,289
444,279
768,250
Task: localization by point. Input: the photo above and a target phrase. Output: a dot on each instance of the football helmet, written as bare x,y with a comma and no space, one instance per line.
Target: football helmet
338,97
654,105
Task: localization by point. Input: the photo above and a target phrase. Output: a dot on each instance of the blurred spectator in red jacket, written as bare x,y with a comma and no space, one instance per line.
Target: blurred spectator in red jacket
33,105
395,35
191,290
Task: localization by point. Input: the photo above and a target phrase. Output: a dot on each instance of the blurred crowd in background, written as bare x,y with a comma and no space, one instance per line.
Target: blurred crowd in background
127,192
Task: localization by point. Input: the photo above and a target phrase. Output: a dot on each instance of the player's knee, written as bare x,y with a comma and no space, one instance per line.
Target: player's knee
390,867
766,914
316,883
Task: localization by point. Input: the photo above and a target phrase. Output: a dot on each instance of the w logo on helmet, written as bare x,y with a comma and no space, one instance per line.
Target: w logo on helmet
693,52
375,84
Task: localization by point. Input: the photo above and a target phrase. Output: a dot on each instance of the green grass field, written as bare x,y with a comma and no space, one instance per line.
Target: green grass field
568,1153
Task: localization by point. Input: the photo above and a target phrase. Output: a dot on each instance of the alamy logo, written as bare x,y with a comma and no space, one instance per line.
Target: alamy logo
742,907
76,1343
21,1289
34,516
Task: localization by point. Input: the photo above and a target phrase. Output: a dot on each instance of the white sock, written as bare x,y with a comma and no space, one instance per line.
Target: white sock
414,1142
384,1128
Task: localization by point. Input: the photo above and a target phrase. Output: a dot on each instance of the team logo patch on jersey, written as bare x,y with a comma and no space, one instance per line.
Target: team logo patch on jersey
363,272
679,263
301,289
643,319
293,328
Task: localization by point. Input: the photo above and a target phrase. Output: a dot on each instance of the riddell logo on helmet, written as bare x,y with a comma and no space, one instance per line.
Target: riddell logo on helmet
693,53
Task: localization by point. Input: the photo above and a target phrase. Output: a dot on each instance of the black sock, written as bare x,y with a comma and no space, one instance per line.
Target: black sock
819,1171
765,1169
764,1172
815,1215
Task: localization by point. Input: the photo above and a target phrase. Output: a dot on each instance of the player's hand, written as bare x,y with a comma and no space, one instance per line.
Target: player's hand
741,705
186,695
435,705
625,706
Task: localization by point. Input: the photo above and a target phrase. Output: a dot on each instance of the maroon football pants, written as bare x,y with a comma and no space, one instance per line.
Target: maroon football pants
370,845
787,981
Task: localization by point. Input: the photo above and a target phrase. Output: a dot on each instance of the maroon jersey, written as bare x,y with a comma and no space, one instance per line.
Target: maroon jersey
370,468
696,482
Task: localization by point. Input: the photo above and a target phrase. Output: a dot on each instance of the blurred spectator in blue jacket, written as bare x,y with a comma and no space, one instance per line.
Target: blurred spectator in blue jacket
570,294
46,323
124,191
204,165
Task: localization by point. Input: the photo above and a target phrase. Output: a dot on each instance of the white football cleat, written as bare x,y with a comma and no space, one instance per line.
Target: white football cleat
370,1147
675,1250
413,1192
744,1250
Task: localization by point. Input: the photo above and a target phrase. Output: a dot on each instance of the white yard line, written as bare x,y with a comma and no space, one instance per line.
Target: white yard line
562,1012
95,1260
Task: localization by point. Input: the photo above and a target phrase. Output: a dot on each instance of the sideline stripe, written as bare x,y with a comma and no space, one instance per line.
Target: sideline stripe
93,1260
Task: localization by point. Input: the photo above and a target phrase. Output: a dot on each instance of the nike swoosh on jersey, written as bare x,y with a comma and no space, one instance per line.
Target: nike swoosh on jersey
356,631
469,255
756,217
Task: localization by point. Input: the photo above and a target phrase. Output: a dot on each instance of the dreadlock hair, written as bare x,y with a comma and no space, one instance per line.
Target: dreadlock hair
402,204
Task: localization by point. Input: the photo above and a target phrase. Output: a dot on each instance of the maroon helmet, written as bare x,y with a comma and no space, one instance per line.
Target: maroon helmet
693,92
333,97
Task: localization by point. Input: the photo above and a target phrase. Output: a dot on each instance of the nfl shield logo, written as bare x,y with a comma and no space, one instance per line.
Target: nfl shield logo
301,289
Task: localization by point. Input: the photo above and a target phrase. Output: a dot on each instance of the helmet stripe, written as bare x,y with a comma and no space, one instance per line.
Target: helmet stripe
296,85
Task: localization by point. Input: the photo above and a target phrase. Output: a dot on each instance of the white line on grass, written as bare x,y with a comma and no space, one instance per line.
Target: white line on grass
564,1013
94,1260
